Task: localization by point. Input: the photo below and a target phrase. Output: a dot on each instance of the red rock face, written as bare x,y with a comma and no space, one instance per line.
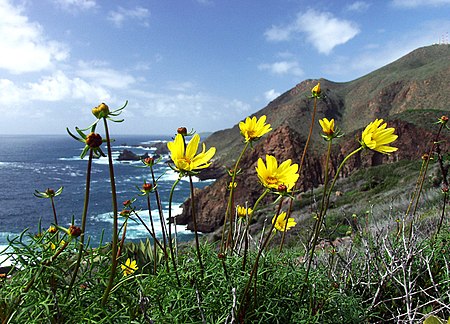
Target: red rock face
285,143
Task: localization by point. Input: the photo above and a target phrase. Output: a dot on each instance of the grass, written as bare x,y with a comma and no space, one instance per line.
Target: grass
392,266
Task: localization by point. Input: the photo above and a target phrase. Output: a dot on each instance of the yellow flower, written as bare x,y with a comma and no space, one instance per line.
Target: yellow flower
281,225
101,110
243,212
327,126
272,175
232,185
316,91
185,160
253,129
129,267
376,137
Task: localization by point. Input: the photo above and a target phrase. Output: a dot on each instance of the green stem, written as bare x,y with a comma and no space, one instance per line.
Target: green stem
161,219
230,210
172,254
115,218
419,191
322,214
302,160
154,233
55,218
247,227
83,222
244,301
194,219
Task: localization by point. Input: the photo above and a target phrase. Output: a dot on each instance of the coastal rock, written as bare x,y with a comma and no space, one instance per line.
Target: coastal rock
127,155
285,143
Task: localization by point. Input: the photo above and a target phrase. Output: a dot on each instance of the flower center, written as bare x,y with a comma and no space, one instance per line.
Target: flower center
271,180
251,133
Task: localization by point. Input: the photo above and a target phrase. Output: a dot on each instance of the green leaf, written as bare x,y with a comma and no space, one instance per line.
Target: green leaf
434,320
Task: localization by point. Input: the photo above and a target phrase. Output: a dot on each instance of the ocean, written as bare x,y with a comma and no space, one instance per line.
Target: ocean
29,163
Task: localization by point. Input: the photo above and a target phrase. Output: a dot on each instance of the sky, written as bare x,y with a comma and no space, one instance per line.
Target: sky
201,64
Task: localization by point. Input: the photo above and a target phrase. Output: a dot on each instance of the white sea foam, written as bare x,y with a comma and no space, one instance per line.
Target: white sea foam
4,257
136,230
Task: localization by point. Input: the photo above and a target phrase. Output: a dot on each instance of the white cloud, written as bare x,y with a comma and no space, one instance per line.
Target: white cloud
322,29
271,94
24,47
51,88
180,86
420,3
358,6
282,68
101,75
76,4
237,106
325,31
279,33
119,16
373,56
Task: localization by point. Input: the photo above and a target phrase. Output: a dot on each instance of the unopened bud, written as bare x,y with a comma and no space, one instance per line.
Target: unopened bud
52,230
125,213
147,187
101,111
94,140
282,188
74,231
149,161
182,130
316,90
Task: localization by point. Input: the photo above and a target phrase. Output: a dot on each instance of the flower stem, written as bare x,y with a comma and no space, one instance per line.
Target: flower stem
254,272
419,190
161,219
247,227
172,254
323,211
115,218
194,219
302,160
230,210
154,233
83,222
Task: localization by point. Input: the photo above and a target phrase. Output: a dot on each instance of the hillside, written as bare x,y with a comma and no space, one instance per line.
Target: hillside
410,93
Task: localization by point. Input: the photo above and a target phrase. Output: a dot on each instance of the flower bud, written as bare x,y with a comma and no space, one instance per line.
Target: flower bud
282,188
94,140
50,192
125,213
101,110
74,231
149,161
127,203
182,130
221,256
52,230
443,119
316,90
147,187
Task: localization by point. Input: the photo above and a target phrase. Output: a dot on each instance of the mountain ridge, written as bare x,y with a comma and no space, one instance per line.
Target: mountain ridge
402,93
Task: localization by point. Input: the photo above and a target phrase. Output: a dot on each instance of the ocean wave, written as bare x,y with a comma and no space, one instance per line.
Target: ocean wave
136,230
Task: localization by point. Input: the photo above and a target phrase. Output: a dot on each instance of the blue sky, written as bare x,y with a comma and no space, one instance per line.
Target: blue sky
203,64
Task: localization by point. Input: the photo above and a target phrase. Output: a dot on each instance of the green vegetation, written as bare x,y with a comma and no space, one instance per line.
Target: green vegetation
371,268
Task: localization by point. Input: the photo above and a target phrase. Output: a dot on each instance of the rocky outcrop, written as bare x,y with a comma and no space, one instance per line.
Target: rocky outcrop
285,143
410,93
127,155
